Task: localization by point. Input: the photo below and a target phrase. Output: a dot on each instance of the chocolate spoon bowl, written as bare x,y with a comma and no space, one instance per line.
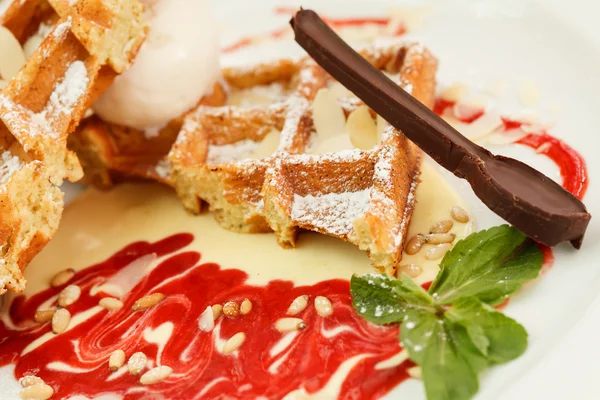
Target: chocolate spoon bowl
521,195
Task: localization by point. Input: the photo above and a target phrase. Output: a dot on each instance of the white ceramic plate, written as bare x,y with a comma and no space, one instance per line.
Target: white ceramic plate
556,45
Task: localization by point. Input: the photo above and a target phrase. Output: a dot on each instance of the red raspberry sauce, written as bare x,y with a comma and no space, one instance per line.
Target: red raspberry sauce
190,286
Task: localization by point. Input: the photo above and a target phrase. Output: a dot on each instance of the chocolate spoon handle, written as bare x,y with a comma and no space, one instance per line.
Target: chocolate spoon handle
518,193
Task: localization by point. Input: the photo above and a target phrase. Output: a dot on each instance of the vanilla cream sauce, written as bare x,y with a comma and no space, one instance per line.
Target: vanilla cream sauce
97,224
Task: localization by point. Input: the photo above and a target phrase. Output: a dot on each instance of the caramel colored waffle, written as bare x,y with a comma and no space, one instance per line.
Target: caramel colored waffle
220,158
88,43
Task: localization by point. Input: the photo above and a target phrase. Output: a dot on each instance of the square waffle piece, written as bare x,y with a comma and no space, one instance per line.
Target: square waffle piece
77,47
271,160
263,152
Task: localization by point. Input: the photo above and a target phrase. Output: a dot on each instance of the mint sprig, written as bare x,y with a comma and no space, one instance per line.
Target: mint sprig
452,331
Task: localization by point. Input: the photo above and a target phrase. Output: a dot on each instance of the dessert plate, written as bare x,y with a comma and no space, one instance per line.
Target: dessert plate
553,50
554,47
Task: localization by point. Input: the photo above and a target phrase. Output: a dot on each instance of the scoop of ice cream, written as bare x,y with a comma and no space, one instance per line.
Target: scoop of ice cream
177,64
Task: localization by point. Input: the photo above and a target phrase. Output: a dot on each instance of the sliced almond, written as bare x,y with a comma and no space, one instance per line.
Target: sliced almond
339,91
483,126
328,116
13,57
362,128
466,110
382,124
268,145
206,322
500,138
333,144
454,92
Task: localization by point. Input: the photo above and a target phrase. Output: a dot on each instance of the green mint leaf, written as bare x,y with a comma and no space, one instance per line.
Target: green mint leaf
452,331
438,346
384,300
490,265
506,339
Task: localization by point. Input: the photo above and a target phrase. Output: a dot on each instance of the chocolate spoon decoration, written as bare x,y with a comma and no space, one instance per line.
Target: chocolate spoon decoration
521,195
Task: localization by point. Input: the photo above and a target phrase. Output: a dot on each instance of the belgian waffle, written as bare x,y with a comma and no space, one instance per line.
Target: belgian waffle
88,43
250,158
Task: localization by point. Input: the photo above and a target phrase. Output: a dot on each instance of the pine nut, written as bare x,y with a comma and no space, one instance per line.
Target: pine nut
234,343
459,214
412,270
156,375
245,307
414,244
39,391
62,277
217,310
438,251
323,306
206,322
30,380
438,238
147,301
116,360
231,309
284,325
137,363
60,320
298,305
441,226
69,295
43,316
415,372
110,303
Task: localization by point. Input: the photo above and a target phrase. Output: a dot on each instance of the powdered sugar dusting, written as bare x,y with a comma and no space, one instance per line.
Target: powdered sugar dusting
332,212
68,92
296,107
62,29
163,169
9,164
231,152
64,98
410,203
